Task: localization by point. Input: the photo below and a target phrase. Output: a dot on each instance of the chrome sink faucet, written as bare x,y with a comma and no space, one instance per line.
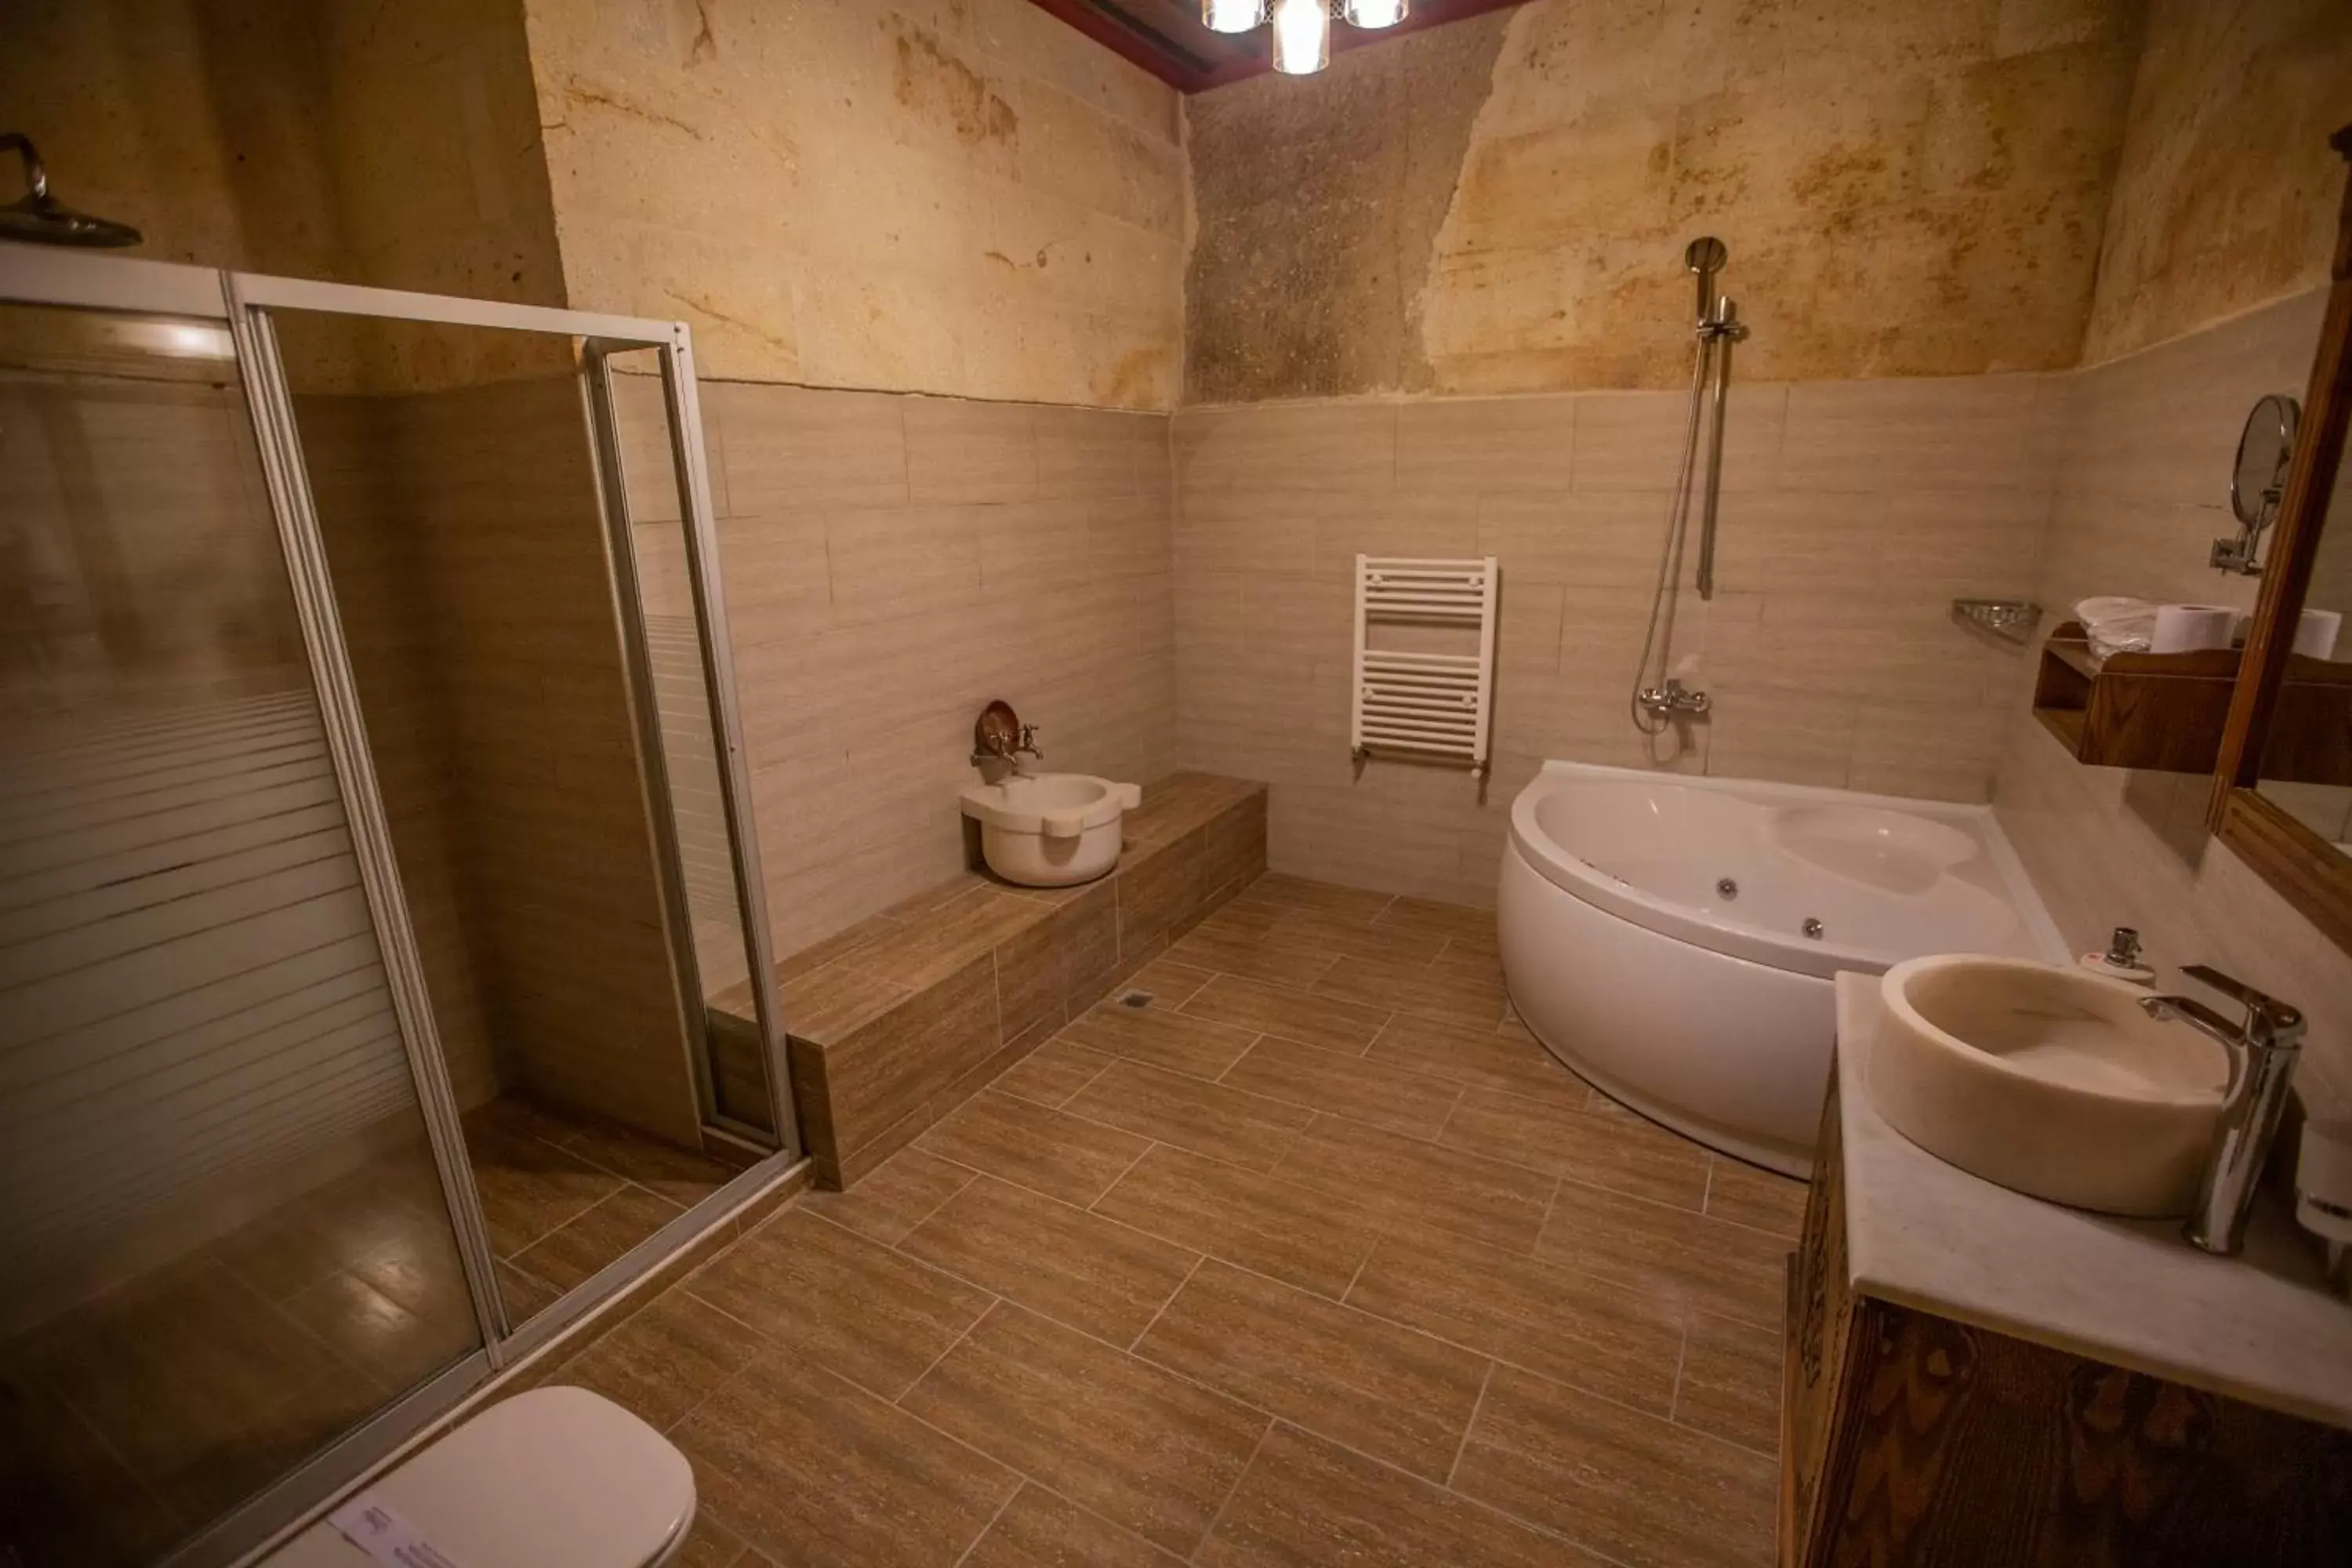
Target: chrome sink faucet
2262,1049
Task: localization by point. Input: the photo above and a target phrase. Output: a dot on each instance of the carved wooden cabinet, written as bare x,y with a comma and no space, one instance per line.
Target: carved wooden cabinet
1910,1438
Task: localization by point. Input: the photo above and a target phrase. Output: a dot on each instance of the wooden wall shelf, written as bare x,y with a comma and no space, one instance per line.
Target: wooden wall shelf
2166,711
2158,710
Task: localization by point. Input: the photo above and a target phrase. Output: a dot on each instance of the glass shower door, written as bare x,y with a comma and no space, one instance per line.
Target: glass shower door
224,1241
555,794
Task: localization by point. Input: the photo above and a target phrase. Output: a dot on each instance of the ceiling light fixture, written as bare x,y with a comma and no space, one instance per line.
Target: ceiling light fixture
1302,28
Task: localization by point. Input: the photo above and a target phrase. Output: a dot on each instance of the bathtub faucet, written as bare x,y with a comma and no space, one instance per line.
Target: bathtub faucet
1671,701
2262,1049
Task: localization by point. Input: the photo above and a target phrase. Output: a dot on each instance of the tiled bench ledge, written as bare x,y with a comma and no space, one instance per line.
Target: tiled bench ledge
899,1019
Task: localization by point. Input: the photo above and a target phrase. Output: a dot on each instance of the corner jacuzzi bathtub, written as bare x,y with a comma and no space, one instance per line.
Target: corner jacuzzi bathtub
1673,939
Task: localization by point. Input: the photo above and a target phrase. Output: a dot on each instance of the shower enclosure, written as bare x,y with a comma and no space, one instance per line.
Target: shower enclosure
373,829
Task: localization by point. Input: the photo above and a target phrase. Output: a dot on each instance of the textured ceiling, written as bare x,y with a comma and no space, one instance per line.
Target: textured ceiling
1166,37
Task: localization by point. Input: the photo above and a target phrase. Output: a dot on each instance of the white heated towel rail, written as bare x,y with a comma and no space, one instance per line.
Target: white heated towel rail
1431,704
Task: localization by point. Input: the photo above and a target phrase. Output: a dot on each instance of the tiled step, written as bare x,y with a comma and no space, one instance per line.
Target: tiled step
903,1017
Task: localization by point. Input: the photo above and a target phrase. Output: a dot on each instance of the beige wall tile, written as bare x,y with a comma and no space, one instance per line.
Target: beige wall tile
961,450
798,447
1487,445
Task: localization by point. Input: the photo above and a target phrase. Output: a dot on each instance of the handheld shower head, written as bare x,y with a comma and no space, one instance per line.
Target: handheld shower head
40,218
1705,256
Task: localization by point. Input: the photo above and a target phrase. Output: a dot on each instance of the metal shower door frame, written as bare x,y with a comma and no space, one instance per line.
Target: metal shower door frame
691,474
254,297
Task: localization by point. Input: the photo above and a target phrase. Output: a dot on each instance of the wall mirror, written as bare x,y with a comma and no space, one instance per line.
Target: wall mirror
2282,795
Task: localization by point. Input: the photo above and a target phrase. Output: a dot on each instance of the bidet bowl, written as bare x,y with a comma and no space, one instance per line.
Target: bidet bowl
1050,830
2048,1081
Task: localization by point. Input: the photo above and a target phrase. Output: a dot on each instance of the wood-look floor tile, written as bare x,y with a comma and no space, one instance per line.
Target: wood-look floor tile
1206,1117
529,1189
1609,1338
1310,1238
1415,1104
1307,1503
1231,950
1137,1445
1162,1037
1470,966
1241,918
1053,1071
375,1334
1507,1058
1406,1182
666,1359
610,1227
1626,1485
1035,1146
1385,1390
1623,1154
1731,1382
1749,1195
1294,1015
1288,893
1074,1266
524,1296
517,1115
1171,982
710,1544
65,1497
1039,1529
1455,923
280,1254
1697,1261
1445,995
847,1303
894,1198
201,1390
684,1176
817,1472
1314,932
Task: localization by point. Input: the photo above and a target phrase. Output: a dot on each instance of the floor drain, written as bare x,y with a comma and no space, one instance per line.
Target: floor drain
1136,999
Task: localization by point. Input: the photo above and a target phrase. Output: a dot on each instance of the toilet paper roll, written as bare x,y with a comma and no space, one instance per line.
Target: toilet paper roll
2314,635
2185,628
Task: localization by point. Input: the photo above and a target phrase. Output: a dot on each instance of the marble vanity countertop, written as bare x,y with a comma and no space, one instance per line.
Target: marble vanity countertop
2261,1327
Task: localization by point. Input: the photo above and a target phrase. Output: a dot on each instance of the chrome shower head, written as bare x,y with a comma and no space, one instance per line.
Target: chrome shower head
40,218
1705,256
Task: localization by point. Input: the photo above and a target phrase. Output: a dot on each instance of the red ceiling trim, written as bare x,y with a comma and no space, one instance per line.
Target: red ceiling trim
1109,25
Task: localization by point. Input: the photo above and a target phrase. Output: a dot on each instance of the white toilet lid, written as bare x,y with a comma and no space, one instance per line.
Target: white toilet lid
556,1478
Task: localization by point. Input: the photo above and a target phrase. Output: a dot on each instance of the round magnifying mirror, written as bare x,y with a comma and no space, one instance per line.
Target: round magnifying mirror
2264,448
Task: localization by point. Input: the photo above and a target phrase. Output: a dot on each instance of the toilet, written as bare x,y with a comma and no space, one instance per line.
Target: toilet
554,1478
